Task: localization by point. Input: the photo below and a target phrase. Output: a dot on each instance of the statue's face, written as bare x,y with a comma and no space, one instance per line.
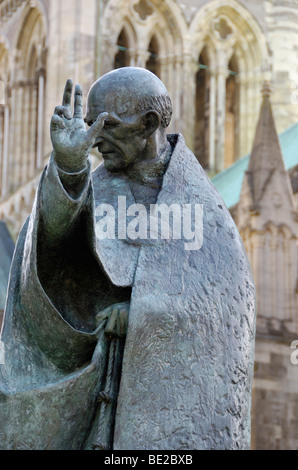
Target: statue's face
121,141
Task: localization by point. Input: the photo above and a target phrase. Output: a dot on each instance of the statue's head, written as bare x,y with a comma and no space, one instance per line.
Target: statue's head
138,107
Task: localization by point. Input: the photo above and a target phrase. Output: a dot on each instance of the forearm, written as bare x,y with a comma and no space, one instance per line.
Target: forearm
62,197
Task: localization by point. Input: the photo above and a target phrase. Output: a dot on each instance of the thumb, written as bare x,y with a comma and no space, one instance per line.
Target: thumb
97,126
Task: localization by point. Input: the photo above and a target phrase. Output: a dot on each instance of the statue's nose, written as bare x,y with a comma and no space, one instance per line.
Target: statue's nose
99,141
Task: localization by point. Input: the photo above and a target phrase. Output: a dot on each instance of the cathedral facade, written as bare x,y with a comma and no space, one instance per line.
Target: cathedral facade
213,56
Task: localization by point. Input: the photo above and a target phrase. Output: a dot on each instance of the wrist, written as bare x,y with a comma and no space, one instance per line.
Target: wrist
74,182
72,165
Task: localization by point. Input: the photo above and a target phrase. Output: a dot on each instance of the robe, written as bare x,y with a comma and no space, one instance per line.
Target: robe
186,375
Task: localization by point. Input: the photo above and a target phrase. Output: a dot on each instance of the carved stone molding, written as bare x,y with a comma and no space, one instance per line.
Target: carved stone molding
223,28
143,9
8,7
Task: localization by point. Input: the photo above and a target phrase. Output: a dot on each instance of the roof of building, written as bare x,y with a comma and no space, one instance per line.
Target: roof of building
6,253
229,181
266,156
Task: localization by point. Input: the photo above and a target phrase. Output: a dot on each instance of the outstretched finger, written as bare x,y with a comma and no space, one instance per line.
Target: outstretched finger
67,93
78,102
97,126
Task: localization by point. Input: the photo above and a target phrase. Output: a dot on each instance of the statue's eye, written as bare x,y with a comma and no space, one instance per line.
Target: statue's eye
89,123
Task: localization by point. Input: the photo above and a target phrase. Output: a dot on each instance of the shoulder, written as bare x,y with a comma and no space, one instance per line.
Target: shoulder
185,170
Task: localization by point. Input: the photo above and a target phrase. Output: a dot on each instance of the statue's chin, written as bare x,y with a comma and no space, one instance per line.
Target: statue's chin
112,166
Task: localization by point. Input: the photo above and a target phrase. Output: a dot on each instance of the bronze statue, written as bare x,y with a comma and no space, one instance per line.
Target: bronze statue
94,257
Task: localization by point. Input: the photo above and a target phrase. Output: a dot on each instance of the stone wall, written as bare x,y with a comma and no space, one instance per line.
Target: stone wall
44,42
275,396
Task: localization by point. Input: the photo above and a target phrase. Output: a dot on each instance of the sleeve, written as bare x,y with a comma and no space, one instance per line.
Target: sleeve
62,199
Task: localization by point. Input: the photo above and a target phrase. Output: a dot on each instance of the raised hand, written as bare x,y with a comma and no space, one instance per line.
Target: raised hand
70,139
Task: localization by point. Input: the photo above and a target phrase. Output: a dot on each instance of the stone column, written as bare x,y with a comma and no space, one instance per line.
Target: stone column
34,110
163,70
26,134
252,118
220,117
177,90
98,32
171,72
212,121
141,58
40,119
15,137
10,146
3,188
108,56
243,97
19,123
189,68
166,75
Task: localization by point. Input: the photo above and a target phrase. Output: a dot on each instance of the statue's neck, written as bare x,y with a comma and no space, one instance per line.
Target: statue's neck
150,172
145,179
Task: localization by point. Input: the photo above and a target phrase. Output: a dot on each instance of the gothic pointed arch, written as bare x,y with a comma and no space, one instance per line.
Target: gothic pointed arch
118,42
241,57
171,14
151,26
229,20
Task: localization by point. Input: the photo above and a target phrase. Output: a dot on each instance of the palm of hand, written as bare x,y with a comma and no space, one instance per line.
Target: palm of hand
70,139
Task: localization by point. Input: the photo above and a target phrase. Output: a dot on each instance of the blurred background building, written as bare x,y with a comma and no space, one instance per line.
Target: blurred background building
214,57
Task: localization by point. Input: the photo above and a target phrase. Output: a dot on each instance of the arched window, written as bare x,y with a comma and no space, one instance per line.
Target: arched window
239,56
232,113
27,102
152,63
122,57
202,110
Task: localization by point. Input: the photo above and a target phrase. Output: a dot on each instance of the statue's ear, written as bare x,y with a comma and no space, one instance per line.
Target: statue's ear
150,123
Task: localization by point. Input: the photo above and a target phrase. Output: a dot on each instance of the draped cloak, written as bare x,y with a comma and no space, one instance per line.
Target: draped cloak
188,358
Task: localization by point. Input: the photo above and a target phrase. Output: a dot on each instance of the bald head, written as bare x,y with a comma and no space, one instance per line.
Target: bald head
129,91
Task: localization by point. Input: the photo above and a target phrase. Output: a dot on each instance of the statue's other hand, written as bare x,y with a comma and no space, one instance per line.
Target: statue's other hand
70,139
116,317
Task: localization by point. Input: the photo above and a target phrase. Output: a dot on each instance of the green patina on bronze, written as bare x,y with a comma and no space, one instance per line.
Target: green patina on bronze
181,379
